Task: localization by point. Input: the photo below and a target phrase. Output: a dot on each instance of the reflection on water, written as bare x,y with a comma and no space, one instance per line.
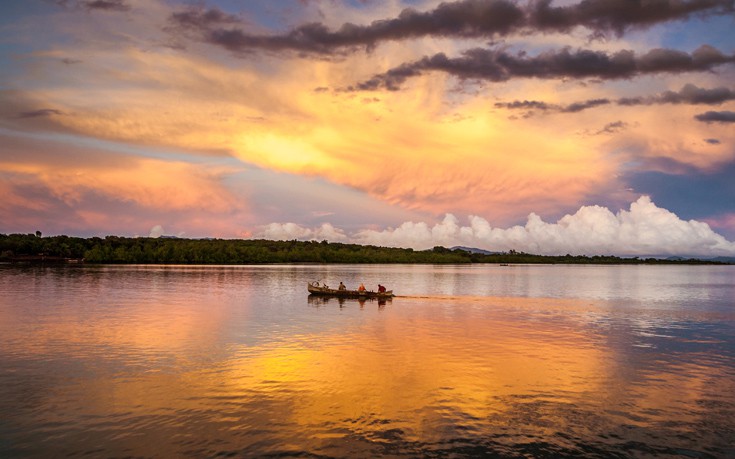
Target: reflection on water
468,361
317,301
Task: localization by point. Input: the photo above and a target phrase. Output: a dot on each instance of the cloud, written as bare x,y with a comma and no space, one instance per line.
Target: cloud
202,18
618,15
643,230
725,222
156,231
106,5
290,231
93,189
716,117
89,5
528,105
40,113
265,113
700,193
612,128
465,19
380,150
579,106
689,94
460,19
543,106
497,65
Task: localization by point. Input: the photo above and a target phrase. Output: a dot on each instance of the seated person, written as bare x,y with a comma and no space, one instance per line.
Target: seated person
361,288
381,288
342,286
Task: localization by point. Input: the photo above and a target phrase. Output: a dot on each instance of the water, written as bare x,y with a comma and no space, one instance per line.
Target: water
517,361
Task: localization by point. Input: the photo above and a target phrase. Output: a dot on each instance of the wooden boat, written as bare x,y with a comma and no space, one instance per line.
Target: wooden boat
322,290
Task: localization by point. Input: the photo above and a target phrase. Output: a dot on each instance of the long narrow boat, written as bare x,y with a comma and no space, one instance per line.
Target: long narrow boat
316,289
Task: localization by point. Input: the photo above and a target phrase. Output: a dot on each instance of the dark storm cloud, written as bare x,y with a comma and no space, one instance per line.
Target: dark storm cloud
44,112
461,19
499,65
716,117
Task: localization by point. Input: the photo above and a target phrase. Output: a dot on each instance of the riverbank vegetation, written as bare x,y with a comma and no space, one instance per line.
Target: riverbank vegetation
32,248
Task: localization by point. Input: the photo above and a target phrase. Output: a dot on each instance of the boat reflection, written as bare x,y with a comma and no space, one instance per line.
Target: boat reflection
320,300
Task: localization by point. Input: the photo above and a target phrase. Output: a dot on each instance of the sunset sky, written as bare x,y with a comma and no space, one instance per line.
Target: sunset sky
596,127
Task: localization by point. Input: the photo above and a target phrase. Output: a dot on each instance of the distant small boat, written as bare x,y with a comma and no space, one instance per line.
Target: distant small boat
322,290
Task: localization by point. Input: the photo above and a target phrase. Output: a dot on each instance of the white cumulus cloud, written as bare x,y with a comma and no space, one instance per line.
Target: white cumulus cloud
156,231
290,231
643,230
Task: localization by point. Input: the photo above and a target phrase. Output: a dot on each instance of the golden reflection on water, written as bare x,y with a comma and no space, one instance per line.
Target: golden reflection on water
399,369
225,373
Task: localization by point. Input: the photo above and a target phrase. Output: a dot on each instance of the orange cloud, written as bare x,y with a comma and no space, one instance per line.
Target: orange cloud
70,171
150,183
430,147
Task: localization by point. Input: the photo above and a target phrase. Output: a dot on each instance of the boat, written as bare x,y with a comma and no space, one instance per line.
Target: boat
322,290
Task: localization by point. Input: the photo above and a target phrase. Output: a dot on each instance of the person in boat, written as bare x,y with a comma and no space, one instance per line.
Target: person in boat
381,288
342,286
361,288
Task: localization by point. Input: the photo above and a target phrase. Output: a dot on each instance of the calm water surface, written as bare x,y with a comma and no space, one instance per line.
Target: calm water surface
518,361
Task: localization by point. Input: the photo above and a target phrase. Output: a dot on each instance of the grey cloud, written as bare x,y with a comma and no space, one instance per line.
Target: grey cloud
612,128
716,117
202,18
694,95
105,5
528,105
467,18
44,112
579,106
546,107
619,15
713,141
499,65
688,94
108,5
464,19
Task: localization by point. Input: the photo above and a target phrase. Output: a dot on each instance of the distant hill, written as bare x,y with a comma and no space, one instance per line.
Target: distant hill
714,259
723,259
475,250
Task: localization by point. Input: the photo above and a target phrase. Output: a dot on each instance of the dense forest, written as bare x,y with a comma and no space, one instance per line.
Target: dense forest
32,248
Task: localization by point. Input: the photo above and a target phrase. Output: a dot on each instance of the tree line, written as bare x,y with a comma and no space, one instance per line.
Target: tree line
146,250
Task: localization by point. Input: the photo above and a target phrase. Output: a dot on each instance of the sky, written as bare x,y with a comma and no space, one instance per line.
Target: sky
545,126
